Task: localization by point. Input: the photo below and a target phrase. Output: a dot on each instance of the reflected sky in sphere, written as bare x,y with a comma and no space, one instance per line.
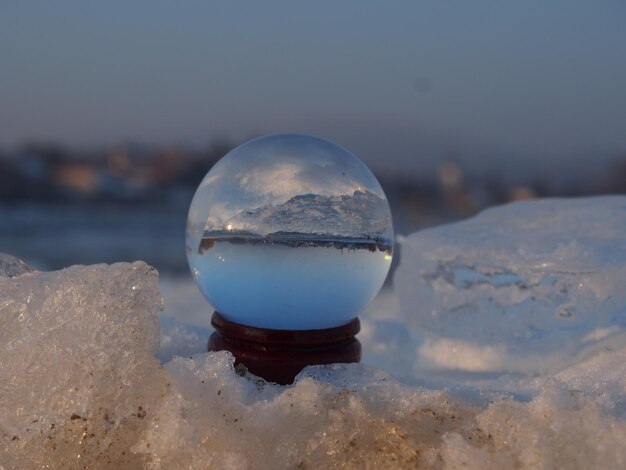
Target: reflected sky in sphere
289,231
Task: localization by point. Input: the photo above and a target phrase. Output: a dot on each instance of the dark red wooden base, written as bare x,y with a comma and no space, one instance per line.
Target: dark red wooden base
279,355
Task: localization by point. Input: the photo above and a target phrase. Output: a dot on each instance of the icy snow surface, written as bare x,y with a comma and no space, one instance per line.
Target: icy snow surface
80,386
529,287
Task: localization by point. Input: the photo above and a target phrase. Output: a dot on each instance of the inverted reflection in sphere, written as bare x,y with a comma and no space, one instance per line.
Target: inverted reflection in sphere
289,231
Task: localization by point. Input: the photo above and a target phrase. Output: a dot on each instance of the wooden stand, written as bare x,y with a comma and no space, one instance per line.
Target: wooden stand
279,355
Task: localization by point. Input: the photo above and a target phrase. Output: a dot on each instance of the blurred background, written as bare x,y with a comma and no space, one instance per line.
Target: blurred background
111,113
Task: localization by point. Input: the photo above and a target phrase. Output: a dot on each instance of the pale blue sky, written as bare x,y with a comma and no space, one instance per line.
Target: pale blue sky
396,82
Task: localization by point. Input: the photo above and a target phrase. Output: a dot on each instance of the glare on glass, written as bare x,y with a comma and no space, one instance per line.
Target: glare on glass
289,231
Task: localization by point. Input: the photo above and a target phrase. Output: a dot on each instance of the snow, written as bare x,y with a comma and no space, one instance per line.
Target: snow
529,287
359,214
78,368
80,385
10,266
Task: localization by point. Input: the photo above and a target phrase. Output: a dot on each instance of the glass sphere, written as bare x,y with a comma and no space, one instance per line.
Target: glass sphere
289,232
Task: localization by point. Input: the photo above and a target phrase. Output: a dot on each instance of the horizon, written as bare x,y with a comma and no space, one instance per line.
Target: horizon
516,168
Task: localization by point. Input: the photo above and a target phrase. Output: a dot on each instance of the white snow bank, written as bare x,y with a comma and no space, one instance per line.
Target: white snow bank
354,416
527,287
77,364
80,386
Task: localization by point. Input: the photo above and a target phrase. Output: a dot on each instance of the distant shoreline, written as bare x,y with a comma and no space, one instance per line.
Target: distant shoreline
298,240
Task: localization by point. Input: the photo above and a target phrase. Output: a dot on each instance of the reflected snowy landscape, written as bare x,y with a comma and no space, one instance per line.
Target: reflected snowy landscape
450,375
291,232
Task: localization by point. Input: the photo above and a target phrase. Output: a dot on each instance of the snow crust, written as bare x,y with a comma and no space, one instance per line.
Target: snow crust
80,386
78,368
529,287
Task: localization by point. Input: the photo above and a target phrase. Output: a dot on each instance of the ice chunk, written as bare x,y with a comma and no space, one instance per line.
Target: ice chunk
78,372
10,266
526,287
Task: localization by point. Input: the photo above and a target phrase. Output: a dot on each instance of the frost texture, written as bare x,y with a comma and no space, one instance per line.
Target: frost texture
352,416
527,287
78,370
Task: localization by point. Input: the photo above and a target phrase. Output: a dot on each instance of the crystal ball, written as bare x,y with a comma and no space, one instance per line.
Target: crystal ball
289,232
